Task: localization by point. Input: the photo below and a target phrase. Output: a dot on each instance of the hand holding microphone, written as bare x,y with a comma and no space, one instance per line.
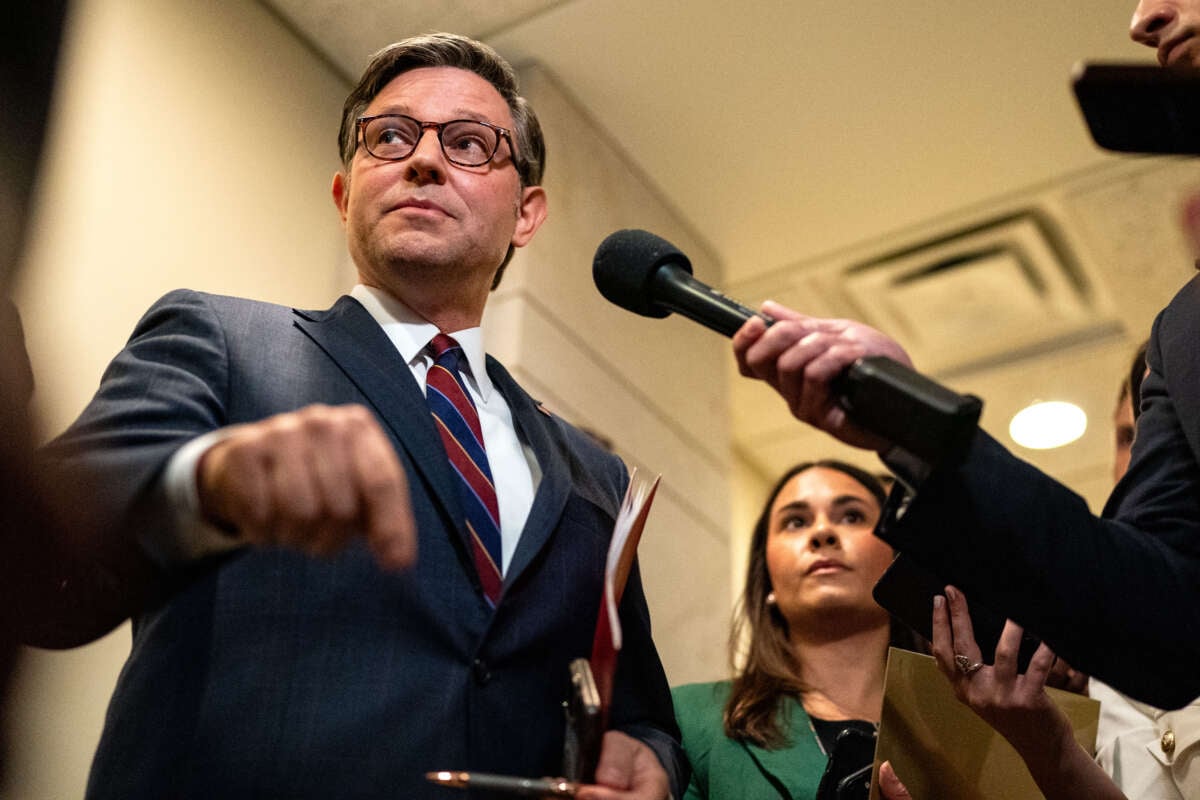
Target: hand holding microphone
839,375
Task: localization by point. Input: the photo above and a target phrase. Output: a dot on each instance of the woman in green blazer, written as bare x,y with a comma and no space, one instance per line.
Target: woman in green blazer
816,644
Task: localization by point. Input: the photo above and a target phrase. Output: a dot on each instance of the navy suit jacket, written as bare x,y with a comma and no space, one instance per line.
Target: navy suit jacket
266,673
1118,596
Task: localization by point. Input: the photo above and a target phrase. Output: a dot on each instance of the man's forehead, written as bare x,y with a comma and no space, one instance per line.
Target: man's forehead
447,92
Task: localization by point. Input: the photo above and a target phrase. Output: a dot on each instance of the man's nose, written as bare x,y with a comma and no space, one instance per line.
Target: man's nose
427,161
1149,19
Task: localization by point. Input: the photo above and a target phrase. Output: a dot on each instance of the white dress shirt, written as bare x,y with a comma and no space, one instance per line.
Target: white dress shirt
1151,754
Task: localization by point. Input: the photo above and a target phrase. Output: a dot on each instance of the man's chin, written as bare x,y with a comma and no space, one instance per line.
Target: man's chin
414,252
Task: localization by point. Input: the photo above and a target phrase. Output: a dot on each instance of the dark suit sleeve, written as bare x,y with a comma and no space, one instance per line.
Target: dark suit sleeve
1117,597
163,389
641,705
641,684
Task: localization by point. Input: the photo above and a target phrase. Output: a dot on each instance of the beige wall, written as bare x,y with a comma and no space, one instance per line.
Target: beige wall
190,148
657,388
193,146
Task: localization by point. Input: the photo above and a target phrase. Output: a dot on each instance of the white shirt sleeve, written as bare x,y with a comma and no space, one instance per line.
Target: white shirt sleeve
189,536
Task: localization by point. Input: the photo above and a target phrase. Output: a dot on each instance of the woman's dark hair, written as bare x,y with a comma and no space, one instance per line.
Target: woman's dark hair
753,712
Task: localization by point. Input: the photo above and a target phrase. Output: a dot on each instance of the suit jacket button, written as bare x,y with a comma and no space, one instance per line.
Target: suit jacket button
481,671
1168,742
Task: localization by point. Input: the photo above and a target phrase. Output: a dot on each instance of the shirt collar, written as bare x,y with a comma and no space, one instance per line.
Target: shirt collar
411,333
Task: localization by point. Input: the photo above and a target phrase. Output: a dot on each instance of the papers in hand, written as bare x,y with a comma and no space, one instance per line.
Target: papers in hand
627,531
941,749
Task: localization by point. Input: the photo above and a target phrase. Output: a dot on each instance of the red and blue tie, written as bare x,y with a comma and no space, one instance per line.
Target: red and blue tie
458,423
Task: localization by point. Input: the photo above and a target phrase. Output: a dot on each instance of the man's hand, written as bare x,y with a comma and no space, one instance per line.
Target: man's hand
799,357
628,770
311,480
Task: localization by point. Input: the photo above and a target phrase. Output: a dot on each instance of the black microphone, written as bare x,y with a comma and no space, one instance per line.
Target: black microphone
646,274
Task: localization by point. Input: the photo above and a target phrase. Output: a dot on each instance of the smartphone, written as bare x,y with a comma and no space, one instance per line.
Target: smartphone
1140,108
907,589
584,730
848,773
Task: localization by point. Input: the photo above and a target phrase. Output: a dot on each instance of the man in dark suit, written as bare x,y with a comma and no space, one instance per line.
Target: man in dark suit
1013,538
283,469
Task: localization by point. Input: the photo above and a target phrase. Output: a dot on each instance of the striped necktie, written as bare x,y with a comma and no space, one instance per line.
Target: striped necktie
458,423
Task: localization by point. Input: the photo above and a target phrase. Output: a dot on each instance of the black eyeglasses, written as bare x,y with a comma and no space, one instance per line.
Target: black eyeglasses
465,142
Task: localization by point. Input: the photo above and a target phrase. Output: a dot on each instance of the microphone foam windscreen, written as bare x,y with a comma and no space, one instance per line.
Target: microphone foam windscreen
625,265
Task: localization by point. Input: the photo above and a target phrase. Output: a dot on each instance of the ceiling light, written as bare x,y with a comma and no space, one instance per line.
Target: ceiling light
1044,425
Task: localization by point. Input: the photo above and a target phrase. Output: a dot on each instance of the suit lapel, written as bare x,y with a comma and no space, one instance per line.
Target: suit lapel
794,767
362,351
536,428
360,348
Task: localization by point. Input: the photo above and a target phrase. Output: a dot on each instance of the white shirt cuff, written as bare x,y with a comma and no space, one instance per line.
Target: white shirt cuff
190,536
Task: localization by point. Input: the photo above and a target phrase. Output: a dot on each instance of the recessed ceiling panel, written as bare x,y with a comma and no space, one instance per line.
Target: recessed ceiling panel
976,296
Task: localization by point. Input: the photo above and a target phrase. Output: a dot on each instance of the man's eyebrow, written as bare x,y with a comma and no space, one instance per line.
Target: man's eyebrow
456,113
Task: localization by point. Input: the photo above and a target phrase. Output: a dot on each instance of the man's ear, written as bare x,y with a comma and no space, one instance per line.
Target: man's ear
341,193
530,215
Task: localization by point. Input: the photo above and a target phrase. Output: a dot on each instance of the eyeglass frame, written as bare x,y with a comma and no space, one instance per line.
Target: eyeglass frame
362,122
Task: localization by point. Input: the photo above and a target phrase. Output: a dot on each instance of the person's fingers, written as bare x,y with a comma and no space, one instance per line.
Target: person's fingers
806,397
1076,681
1039,667
960,625
750,332
889,784
615,766
1064,676
627,770
331,456
388,520
778,311
1007,649
311,479
943,639
294,498
232,483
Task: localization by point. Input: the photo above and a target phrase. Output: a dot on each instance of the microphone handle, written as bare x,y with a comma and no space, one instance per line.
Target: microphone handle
674,288
881,395
908,409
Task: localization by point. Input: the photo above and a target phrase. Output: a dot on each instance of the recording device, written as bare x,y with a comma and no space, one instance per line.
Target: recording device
1140,108
646,274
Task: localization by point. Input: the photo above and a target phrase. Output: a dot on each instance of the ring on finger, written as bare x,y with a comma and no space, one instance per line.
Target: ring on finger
965,665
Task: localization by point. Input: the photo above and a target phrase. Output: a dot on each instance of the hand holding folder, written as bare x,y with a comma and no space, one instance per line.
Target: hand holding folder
591,680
